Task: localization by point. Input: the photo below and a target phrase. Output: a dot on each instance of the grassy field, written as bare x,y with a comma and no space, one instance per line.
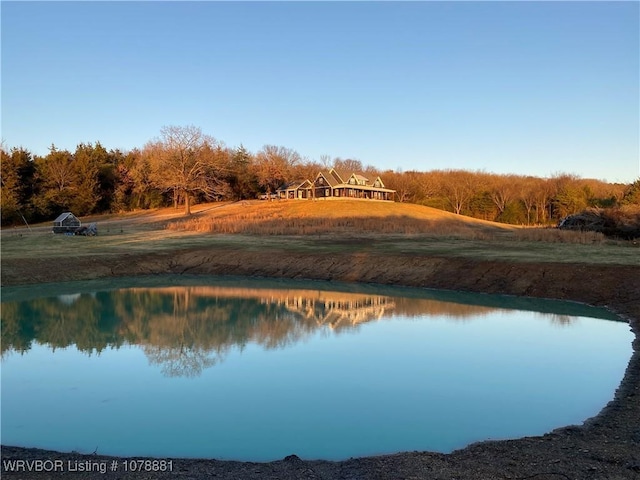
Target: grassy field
321,226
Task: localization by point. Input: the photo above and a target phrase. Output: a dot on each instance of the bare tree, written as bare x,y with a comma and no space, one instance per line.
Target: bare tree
326,162
458,187
543,194
274,166
527,193
406,184
186,162
307,169
57,169
347,165
502,190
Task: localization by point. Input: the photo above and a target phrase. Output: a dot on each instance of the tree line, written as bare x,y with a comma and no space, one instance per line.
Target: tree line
183,166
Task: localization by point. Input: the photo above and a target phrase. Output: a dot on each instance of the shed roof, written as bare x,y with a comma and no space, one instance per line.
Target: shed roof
64,215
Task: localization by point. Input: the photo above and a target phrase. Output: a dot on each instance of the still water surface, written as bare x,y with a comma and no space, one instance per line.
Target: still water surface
257,370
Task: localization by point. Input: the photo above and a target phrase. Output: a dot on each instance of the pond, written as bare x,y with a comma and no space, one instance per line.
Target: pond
256,370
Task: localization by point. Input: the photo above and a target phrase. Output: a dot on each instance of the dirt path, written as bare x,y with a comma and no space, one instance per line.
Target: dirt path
605,447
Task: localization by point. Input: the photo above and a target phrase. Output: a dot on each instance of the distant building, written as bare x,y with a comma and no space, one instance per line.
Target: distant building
333,184
66,222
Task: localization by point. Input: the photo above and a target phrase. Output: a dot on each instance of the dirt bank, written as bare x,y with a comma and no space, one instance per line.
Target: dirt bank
605,447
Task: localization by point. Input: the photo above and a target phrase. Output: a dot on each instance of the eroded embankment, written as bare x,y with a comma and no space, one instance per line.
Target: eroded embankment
606,447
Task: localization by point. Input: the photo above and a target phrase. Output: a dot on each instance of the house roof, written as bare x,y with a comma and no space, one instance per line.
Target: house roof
360,179
329,177
378,179
334,179
295,184
340,176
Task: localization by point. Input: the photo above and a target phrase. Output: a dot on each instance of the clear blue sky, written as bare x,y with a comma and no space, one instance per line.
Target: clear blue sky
508,87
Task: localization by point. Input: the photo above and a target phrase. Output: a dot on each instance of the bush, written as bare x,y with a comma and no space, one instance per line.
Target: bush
620,222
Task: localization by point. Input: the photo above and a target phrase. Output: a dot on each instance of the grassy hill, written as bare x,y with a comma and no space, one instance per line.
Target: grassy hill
346,217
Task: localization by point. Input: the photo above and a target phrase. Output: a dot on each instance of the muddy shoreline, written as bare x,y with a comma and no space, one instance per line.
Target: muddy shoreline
604,447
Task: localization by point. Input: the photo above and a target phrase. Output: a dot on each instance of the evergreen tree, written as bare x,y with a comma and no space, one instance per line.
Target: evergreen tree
241,179
17,174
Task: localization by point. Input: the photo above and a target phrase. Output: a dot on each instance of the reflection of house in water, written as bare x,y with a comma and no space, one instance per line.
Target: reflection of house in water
332,308
339,310
188,328
69,299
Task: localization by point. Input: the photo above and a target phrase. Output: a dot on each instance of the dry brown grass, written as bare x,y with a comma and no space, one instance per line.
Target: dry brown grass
317,227
335,217
555,235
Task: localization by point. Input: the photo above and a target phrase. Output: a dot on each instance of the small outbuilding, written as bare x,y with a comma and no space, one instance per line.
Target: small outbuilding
66,222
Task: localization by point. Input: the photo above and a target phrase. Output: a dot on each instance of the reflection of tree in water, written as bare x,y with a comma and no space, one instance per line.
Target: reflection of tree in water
561,320
17,335
87,322
185,330
182,361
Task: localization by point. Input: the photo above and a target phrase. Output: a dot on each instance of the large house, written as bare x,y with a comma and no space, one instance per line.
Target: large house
334,184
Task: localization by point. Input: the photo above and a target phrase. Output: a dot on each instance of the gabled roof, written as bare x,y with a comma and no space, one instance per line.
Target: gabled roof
340,176
329,177
378,179
335,179
295,184
360,179
63,216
